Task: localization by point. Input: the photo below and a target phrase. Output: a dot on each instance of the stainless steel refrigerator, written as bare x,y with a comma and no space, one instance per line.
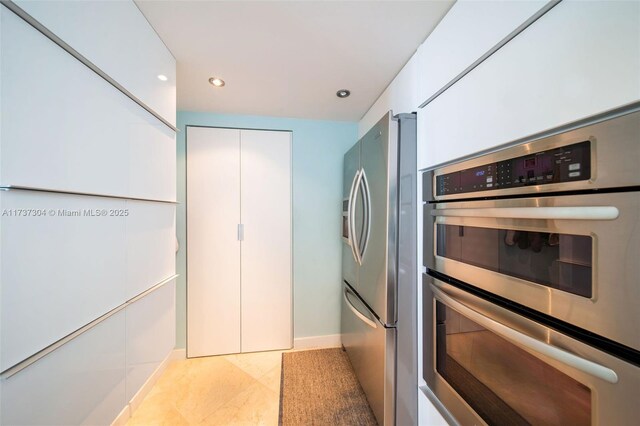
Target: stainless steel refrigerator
378,324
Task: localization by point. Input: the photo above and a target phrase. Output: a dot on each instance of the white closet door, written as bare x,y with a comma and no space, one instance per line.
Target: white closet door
213,249
266,248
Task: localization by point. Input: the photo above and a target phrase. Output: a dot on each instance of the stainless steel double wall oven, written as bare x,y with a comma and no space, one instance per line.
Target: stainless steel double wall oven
532,280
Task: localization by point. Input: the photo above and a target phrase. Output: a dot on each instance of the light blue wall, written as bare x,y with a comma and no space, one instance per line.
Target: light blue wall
318,147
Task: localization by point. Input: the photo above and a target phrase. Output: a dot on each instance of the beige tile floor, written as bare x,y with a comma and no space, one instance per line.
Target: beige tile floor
241,389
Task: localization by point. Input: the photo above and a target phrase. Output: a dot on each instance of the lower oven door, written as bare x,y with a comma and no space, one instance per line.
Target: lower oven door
488,365
572,257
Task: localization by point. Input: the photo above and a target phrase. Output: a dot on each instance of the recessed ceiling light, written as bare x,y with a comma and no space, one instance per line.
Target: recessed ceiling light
162,77
343,93
218,82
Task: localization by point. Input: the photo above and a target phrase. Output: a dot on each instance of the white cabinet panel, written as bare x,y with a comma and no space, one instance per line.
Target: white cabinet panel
266,247
150,245
213,261
469,30
82,382
112,35
152,161
150,335
58,272
579,59
65,128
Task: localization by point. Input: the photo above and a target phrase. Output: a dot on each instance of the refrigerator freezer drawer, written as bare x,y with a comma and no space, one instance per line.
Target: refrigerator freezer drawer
371,349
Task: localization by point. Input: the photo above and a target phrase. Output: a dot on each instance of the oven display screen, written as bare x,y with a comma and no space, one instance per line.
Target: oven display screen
565,164
530,163
476,179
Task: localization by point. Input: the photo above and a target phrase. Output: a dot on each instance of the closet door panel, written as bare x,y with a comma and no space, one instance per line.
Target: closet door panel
213,252
266,247
80,383
61,268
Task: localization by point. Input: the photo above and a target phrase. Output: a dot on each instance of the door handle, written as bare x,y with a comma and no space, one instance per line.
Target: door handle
528,343
367,196
357,313
352,217
240,231
557,213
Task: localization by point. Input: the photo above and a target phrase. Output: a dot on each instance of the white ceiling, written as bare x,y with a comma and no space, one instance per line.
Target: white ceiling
288,58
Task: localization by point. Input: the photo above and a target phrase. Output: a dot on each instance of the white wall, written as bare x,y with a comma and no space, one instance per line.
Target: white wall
400,96
87,230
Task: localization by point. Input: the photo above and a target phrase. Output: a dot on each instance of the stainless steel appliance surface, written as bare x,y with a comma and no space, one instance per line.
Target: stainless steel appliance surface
547,239
531,284
489,365
582,269
379,269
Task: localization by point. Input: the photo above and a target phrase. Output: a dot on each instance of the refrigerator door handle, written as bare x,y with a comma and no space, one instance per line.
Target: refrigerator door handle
364,318
355,187
349,217
367,196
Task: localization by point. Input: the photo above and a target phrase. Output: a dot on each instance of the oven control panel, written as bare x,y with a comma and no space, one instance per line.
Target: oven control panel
565,164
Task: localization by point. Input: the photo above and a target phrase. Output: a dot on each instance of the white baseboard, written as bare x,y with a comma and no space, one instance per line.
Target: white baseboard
178,354
137,399
317,342
123,417
144,389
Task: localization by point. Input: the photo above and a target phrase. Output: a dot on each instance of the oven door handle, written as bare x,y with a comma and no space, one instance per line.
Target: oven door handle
558,213
528,343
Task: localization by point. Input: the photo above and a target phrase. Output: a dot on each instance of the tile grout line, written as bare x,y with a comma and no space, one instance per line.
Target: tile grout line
250,399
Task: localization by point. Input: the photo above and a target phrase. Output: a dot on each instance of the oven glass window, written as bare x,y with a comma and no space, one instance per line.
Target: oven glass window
558,261
504,384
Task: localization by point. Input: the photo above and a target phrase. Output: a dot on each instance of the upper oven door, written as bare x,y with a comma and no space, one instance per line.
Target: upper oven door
572,257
